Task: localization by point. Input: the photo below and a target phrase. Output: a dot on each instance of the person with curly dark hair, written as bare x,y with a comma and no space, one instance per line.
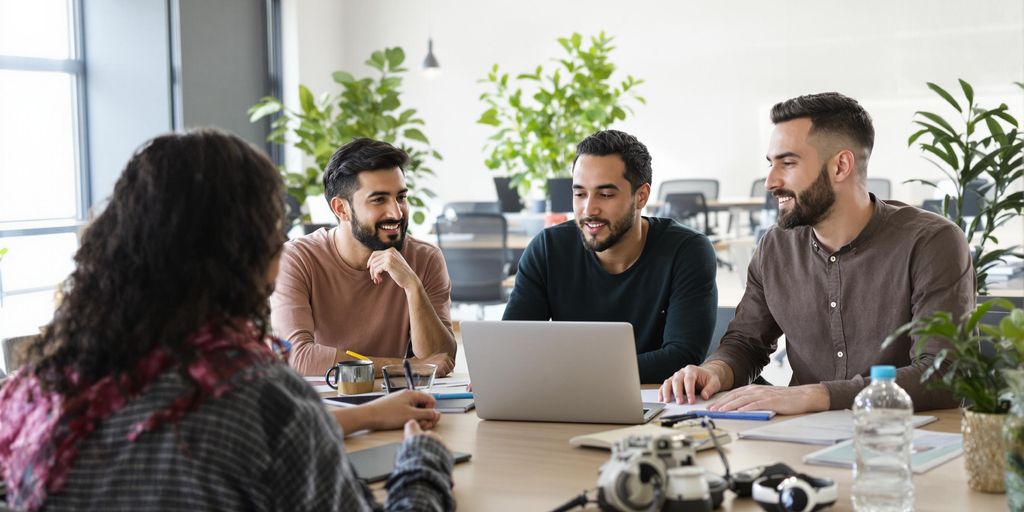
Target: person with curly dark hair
156,385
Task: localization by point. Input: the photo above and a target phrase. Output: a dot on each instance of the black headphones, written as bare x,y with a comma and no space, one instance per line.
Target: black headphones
794,493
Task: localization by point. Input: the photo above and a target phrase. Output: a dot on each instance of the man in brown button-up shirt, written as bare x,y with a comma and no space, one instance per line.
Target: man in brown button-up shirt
841,271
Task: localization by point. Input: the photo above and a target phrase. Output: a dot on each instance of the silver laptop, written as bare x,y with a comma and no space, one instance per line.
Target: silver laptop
580,372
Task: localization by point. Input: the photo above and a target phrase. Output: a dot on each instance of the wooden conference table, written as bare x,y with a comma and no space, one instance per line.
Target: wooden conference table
530,466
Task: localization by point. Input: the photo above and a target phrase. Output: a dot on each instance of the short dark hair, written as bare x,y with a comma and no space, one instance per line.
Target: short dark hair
831,113
631,150
360,155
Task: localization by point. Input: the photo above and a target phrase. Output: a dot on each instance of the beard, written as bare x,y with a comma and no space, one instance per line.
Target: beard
369,236
809,207
616,229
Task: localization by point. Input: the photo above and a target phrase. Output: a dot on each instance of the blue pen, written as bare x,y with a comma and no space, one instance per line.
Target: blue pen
736,415
447,396
408,375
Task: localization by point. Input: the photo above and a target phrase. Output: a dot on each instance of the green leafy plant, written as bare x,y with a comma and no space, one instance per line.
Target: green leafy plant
365,107
3,251
963,367
540,116
967,153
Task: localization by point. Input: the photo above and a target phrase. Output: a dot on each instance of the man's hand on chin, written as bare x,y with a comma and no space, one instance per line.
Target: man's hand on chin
781,399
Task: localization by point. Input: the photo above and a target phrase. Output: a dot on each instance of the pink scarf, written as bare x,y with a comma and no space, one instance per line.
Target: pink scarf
40,430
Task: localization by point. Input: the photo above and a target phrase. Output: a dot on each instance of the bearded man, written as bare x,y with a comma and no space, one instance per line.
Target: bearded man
841,271
364,285
611,264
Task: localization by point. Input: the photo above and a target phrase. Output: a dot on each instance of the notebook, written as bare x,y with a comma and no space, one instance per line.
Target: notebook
929,449
829,427
455,405
375,464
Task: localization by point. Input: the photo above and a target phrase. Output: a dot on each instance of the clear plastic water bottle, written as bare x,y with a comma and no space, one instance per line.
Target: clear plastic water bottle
882,438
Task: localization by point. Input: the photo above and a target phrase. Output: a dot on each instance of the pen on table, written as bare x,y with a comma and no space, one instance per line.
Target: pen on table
448,396
357,355
737,415
668,421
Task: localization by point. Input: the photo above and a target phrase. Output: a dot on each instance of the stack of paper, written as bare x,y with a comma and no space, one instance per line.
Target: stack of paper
829,427
929,450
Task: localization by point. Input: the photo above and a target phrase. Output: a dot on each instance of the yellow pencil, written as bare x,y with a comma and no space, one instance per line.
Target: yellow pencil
357,355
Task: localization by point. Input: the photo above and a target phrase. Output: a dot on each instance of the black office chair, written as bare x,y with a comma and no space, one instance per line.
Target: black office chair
475,249
687,208
311,228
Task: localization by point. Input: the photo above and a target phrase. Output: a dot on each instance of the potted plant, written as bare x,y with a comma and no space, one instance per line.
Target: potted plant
987,164
540,116
971,366
365,107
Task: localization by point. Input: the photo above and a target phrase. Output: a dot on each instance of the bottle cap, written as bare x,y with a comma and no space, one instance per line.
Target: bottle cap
883,372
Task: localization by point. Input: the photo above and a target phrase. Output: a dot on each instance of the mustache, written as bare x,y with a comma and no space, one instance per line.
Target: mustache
594,219
780,193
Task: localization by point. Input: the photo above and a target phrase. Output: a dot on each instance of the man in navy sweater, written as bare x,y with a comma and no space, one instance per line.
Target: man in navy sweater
611,264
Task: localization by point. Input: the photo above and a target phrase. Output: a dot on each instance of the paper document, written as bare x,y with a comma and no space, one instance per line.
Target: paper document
450,382
929,450
829,427
651,395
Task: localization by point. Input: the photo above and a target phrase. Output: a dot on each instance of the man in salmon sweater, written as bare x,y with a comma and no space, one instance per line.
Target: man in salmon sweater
364,285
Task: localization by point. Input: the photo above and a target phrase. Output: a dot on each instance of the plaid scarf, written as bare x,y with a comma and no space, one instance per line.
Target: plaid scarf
40,430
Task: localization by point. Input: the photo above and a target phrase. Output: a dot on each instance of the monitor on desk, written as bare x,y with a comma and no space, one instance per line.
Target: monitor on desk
560,193
578,372
508,196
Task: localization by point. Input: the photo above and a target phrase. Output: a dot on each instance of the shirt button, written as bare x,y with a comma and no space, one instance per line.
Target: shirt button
832,304
833,258
839,354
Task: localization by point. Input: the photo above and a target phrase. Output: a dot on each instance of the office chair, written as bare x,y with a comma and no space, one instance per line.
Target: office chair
708,187
686,208
880,187
759,220
475,248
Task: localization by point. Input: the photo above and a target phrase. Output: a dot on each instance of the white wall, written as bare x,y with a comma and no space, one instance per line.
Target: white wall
713,69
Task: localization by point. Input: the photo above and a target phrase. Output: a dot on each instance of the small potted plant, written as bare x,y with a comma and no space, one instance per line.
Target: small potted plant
971,365
365,107
538,117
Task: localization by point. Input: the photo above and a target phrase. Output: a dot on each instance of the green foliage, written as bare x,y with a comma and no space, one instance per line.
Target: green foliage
3,251
365,107
987,144
536,130
961,367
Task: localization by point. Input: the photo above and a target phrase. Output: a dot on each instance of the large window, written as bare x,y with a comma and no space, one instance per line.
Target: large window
43,194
